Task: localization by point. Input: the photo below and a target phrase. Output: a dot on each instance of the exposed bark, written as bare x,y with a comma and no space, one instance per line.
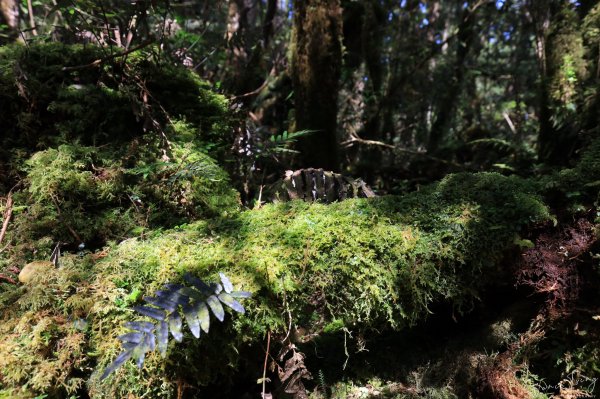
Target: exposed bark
315,71
10,13
268,25
6,217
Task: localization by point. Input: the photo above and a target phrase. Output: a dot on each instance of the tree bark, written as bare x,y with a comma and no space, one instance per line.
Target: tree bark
10,13
315,71
449,97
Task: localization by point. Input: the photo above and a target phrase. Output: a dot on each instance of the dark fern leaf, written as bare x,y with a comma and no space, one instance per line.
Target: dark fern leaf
173,296
191,317
122,358
150,342
133,337
162,336
143,326
228,300
227,286
199,284
129,345
162,303
150,312
139,361
203,316
216,307
218,288
192,293
175,327
241,294
195,302
170,287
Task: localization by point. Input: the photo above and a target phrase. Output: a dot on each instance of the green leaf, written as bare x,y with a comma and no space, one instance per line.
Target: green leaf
191,317
227,286
175,327
150,312
162,336
232,303
216,307
203,317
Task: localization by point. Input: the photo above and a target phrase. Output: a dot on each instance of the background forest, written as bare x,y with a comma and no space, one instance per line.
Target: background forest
407,189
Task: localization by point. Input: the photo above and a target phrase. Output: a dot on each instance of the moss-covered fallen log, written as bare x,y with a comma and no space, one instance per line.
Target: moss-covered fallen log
361,264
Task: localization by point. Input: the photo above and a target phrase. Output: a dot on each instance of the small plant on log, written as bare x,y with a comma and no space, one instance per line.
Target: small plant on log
167,307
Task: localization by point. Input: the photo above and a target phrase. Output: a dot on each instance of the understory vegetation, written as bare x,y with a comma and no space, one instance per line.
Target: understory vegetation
123,174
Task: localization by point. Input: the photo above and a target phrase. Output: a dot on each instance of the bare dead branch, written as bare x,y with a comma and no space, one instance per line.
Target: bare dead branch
7,215
7,279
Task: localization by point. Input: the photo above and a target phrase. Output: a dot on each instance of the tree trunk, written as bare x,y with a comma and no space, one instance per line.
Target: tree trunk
315,71
562,68
10,13
449,97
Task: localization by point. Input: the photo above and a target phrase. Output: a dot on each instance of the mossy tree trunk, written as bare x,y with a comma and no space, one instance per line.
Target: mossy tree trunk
562,68
315,70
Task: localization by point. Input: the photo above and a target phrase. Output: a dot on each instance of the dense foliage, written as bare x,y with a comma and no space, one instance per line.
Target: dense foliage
151,142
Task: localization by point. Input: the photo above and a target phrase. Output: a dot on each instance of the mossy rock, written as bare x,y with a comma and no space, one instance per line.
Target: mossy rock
34,270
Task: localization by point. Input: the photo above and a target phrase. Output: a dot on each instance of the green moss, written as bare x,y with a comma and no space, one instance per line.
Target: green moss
85,194
360,264
578,185
42,105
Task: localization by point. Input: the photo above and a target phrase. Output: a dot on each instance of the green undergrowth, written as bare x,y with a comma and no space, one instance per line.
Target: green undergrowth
576,187
361,264
91,195
97,154
43,105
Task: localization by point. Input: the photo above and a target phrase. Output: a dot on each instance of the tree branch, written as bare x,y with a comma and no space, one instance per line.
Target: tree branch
7,215
108,57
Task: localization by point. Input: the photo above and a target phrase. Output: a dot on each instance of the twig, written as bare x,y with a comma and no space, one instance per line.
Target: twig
253,92
8,279
108,57
346,331
259,89
509,121
264,377
356,139
7,215
31,18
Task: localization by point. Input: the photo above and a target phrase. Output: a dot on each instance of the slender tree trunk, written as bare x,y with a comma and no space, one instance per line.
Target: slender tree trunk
540,15
315,71
243,71
449,97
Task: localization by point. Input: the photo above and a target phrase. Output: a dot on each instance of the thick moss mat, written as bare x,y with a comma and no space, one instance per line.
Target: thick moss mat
361,264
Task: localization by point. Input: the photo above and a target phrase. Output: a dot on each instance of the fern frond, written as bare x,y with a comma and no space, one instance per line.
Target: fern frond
165,306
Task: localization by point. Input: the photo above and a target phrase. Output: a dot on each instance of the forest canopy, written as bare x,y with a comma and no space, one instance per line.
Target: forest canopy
402,196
